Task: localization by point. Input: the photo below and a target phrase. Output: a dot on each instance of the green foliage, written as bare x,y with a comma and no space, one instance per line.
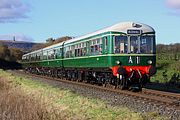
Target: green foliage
168,63
4,52
172,48
167,71
16,53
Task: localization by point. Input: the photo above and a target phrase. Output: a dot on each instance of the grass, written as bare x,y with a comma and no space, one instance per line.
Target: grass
24,99
168,67
167,64
16,104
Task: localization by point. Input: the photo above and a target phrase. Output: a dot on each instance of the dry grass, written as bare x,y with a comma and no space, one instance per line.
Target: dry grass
24,99
17,105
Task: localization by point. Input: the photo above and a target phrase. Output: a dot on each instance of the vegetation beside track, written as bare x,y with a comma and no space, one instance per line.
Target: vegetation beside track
25,99
167,71
168,64
167,77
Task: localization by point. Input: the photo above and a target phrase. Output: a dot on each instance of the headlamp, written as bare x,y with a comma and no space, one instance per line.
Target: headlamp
149,62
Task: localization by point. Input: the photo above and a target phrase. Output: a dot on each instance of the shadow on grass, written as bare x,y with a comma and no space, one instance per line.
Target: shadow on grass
161,66
167,87
171,84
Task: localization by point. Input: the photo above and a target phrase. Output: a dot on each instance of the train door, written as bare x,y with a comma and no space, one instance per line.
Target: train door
87,48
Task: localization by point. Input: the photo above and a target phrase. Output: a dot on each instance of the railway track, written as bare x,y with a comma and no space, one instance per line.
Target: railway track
159,98
174,97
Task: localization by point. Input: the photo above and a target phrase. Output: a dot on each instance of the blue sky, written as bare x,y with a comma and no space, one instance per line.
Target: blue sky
37,20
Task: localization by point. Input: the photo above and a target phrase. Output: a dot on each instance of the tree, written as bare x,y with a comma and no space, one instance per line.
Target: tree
61,39
16,53
4,52
38,46
10,54
50,40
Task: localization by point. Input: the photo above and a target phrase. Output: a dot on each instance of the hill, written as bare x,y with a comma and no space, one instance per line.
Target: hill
23,45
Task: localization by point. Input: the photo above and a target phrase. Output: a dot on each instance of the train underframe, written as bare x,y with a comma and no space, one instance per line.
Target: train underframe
132,81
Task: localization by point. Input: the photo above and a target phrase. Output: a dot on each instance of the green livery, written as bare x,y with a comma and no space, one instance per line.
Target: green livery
129,44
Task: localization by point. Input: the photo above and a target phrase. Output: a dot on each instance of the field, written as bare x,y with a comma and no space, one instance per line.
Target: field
24,99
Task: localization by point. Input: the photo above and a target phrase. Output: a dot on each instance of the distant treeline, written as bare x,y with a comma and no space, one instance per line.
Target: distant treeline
168,52
171,48
51,41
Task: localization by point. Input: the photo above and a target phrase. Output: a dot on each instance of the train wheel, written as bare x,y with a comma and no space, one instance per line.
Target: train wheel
104,83
137,89
123,83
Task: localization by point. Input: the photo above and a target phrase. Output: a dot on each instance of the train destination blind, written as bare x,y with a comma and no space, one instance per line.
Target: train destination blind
133,31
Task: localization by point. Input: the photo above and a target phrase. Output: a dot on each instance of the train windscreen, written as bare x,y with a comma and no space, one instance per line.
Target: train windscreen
134,40
147,44
135,44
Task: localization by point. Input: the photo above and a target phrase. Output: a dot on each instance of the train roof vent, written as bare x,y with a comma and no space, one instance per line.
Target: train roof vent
136,25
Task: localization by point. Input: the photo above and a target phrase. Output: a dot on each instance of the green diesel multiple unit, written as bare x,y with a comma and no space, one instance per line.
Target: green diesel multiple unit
122,55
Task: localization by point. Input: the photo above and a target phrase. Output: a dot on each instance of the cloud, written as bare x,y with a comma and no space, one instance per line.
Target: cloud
175,4
18,37
13,10
175,7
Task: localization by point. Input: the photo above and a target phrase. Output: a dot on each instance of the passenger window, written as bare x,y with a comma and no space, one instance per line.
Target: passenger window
84,50
51,54
67,51
92,47
96,46
58,52
76,50
121,44
44,55
80,50
54,54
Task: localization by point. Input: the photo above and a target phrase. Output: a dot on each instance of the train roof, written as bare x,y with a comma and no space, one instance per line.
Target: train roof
53,46
119,27
32,52
46,48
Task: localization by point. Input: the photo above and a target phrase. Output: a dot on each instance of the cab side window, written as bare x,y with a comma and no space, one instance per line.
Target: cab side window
120,44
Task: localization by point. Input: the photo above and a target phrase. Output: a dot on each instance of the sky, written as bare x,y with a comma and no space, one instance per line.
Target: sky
38,20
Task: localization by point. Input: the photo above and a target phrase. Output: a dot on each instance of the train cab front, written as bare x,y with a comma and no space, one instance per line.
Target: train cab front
133,77
134,57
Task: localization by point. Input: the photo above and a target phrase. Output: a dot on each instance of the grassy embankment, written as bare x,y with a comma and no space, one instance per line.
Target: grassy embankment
167,66
24,99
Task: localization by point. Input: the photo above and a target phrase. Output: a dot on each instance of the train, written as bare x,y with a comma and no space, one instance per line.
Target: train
122,55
